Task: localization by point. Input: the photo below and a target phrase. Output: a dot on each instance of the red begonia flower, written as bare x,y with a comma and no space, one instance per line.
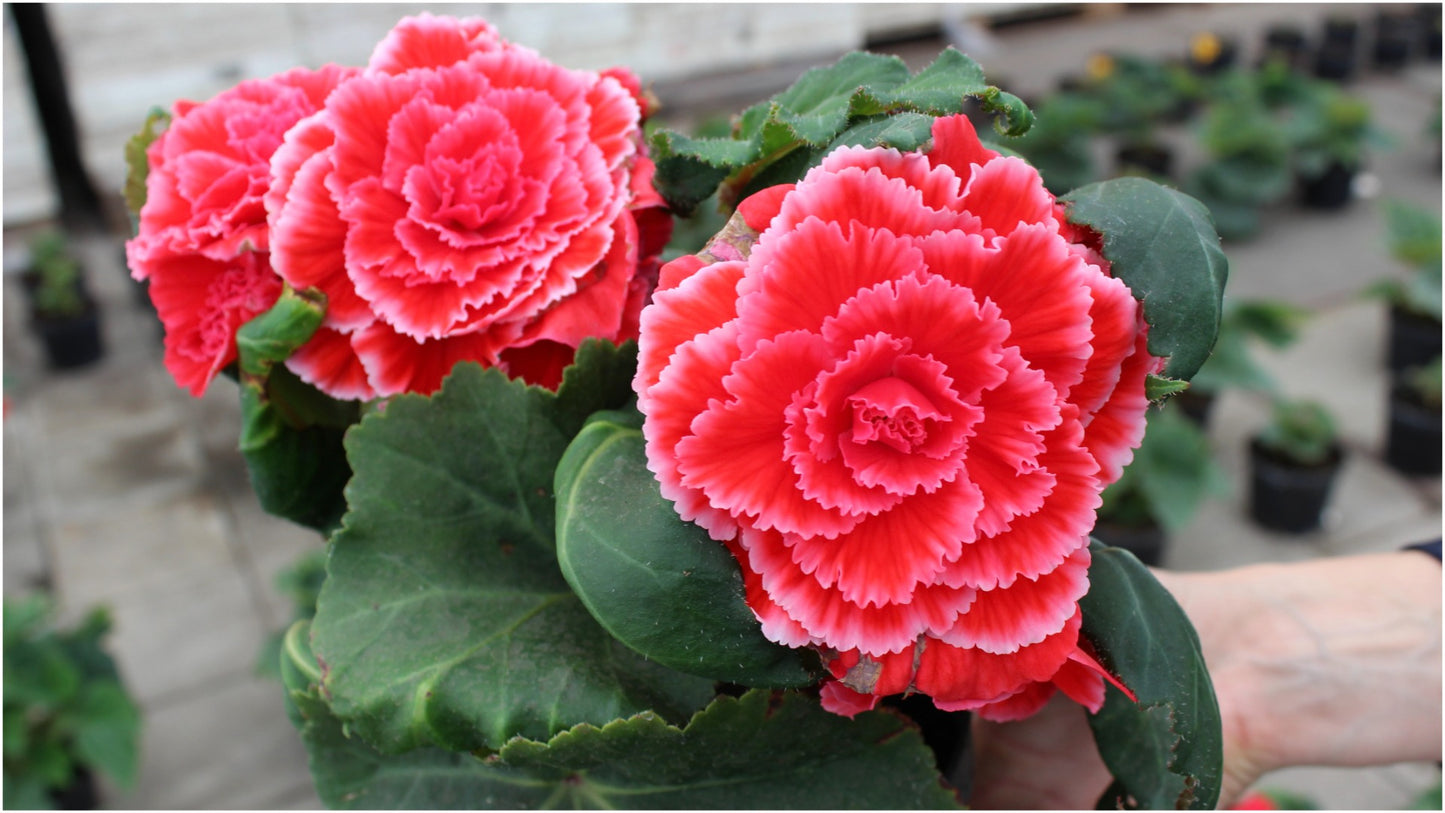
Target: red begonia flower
464,199
898,408
202,239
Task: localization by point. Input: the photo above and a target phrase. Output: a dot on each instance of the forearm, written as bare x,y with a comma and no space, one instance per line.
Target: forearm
1329,662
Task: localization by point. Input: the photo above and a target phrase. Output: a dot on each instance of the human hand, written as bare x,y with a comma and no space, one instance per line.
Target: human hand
1328,662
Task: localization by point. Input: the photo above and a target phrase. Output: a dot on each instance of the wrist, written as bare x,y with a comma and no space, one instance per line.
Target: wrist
1329,662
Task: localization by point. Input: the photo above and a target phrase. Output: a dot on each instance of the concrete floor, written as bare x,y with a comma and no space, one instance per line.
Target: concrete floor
120,488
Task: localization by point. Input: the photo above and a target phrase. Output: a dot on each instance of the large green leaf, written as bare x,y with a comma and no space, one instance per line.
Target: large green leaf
291,433
107,731
1165,750
763,750
778,140
444,618
1161,243
657,583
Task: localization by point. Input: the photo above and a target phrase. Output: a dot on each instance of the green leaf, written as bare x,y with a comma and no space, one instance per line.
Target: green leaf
778,140
1175,468
50,762
829,91
107,732
37,673
1429,799
1161,243
905,131
291,433
137,167
1166,750
763,750
350,775
599,378
26,791
444,617
655,582
1157,388
17,732
690,169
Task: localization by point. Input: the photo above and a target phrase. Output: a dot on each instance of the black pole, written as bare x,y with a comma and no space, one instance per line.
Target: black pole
80,206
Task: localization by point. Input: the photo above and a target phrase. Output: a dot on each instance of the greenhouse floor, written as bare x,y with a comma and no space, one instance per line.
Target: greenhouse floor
121,489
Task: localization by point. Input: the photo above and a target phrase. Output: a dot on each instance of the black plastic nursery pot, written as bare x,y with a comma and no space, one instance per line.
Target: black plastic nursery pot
1284,42
1341,30
1149,159
1414,339
1413,438
1285,496
1394,33
1333,189
70,341
1335,62
78,794
1146,542
1428,27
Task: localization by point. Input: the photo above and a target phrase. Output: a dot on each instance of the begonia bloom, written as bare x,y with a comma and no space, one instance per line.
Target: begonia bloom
898,408
202,240
464,199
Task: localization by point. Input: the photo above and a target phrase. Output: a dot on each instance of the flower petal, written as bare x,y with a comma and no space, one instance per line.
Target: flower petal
1007,193
805,276
842,624
694,306
735,452
692,379
888,556
1117,428
327,361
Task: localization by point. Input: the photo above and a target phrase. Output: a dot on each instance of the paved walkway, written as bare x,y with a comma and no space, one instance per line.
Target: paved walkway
120,488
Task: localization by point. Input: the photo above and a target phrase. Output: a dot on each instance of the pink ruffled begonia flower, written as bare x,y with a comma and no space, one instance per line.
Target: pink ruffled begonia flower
202,239
465,199
898,407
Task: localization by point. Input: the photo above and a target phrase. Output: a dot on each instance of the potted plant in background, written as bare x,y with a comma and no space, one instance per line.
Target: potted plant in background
1412,438
1328,134
1211,53
1172,473
1294,461
1136,94
1413,234
1232,364
1248,164
62,312
67,713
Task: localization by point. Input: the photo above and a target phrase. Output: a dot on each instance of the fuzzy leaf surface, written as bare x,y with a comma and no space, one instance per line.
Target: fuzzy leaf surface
778,140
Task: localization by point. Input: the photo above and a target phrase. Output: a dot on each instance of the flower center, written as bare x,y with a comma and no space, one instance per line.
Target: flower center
893,412
472,194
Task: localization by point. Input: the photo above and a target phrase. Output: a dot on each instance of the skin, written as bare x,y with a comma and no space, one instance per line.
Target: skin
1332,662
